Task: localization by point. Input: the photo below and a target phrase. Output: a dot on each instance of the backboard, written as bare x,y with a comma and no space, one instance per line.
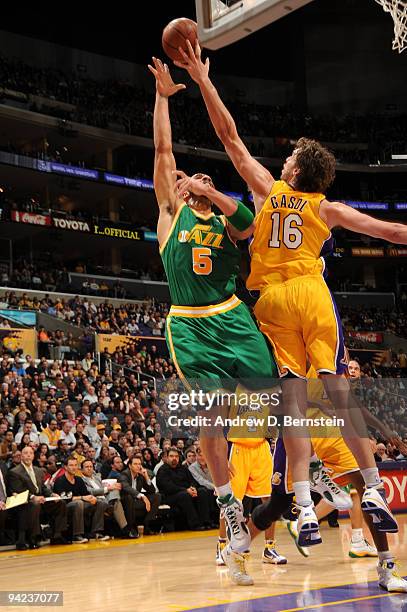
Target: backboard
222,22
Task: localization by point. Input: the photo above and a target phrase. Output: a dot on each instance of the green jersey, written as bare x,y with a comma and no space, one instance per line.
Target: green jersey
200,259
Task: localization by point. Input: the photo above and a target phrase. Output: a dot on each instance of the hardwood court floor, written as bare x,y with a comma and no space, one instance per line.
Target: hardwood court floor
175,572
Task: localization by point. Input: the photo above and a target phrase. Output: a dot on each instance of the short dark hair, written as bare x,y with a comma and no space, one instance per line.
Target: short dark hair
70,458
135,457
173,449
316,166
85,461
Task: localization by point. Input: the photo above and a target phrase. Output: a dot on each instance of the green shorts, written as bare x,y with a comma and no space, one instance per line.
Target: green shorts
220,344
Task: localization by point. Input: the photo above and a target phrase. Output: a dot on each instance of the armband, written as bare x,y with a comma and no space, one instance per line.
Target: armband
242,218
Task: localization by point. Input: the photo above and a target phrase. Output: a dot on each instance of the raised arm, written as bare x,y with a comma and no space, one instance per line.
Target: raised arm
164,162
338,214
240,219
252,172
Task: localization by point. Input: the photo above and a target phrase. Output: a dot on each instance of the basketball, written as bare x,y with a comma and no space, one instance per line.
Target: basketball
175,35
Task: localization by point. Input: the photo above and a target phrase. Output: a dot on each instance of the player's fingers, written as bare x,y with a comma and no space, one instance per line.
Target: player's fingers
180,64
166,69
184,55
156,63
207,63
197,49
180,86
179,173
160,64
190,49
153,70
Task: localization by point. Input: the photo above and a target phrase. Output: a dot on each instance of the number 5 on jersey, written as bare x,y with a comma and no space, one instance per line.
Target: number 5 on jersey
201,260
291,235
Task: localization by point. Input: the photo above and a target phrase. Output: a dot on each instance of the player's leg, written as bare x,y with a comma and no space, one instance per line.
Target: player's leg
270,553
280,318
389,579
203,358
326,350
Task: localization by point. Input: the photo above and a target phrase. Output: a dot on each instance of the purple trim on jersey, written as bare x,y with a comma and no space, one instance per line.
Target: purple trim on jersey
280,468
341,365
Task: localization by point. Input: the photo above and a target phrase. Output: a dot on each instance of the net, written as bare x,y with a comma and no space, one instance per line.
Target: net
398,11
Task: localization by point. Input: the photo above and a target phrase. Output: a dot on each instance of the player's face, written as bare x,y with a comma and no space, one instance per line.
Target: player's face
354,369
290,167
201,203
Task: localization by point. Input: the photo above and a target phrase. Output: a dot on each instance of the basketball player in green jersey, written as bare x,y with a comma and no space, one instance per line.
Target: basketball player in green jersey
209,331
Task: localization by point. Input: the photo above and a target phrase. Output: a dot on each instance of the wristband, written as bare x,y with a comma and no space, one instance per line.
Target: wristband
242,218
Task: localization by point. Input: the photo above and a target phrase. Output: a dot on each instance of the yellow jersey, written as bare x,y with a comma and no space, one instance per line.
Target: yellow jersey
289,237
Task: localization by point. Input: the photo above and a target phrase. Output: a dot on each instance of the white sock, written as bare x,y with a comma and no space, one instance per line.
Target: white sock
224,490
313,458
302,493
357,535
385,555
371,477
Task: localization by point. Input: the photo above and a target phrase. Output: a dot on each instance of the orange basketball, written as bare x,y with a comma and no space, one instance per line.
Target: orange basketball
175,35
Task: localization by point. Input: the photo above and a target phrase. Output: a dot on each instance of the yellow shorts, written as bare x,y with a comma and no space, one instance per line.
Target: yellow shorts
254,467
334,453
337,457
301,320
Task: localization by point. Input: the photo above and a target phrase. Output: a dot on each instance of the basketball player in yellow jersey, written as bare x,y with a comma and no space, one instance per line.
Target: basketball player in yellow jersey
296,309
251,465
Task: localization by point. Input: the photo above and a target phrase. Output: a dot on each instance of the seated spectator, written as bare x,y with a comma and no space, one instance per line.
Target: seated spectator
67,435
116,468
82,505
190,457
200,471
110,493
28,431
28,477
140,508
181,490
381,453
51,434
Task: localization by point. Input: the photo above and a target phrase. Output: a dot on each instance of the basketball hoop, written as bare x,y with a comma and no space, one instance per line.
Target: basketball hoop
398,11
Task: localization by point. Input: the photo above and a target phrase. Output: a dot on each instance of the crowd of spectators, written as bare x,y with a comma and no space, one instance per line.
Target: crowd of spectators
376,319
55,276
99,437
130,319
101,443
122,106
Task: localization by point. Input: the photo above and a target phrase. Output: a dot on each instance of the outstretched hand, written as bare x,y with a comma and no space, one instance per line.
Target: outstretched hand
164,83
185,185
193,63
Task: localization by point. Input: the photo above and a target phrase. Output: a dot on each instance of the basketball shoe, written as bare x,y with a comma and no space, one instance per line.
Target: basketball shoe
308,526
236,528
219,547
292,527
389,579
361,549
236,564
270,554
374,502
321,483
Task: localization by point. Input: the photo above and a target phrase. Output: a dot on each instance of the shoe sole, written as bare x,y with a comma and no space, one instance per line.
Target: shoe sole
353,555
272,562
385,588
301,550
305,532
384,521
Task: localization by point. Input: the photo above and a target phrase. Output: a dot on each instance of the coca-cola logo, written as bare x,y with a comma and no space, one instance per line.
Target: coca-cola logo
71,224
31,218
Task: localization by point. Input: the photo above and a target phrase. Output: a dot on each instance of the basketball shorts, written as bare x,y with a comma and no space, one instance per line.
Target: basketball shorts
211,345
253,469
301,320
334,454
